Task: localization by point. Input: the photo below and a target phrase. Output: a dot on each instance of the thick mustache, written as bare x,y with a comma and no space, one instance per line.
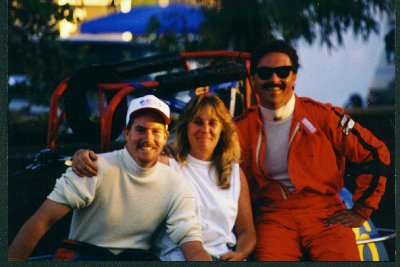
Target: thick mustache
269,85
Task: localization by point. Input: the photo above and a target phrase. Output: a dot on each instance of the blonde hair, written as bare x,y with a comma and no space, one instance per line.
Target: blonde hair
227,151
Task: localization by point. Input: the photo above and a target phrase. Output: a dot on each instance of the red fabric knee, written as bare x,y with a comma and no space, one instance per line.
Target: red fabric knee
336,243
276,242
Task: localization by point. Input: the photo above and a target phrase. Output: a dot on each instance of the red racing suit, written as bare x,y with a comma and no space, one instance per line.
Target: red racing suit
322,137
319,143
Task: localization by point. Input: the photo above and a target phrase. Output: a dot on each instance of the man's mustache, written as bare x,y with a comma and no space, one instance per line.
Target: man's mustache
269,85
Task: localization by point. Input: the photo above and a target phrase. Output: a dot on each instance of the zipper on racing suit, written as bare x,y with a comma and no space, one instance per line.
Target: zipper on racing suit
294,133
258,148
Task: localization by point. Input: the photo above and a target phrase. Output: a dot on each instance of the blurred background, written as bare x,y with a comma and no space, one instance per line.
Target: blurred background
346,48
346,51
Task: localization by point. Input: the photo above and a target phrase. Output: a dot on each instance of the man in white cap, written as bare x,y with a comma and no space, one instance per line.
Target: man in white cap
117,213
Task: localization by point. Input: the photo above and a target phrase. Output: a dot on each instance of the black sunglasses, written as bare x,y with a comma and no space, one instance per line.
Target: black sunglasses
266,72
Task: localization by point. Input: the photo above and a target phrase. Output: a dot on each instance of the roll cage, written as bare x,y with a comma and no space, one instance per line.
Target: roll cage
237,69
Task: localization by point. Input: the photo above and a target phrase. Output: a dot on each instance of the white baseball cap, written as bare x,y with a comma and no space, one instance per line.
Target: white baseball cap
149,102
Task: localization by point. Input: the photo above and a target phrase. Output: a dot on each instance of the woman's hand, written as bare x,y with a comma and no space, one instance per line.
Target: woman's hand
232,256
83,163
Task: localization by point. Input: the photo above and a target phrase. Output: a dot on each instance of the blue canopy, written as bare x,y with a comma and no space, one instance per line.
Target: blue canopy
178,18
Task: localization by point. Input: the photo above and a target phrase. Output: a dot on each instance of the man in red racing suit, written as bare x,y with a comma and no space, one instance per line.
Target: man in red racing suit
311,218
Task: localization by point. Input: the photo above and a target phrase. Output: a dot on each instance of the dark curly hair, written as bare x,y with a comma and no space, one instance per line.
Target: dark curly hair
274,46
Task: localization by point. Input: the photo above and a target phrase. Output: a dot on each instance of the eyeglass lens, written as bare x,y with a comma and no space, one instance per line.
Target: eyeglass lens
265,72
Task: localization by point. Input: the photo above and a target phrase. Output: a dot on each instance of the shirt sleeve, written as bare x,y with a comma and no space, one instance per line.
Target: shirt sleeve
360,146
182,223
74,191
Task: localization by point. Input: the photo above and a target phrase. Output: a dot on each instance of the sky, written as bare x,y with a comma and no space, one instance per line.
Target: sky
332,76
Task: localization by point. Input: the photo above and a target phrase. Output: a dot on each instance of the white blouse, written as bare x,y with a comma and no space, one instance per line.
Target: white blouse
217,209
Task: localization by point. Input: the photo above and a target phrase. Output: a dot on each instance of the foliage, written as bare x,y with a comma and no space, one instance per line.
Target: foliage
240,24
33,50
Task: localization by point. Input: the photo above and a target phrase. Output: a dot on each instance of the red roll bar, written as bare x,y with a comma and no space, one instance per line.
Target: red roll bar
106,114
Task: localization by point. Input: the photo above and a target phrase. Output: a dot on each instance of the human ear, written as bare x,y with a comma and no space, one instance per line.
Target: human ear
126,132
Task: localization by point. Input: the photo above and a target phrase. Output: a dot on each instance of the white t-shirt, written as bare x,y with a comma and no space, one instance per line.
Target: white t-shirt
277,127
217,209
124,205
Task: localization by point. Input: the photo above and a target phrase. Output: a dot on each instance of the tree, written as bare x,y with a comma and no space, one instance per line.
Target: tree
240,24
33,49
